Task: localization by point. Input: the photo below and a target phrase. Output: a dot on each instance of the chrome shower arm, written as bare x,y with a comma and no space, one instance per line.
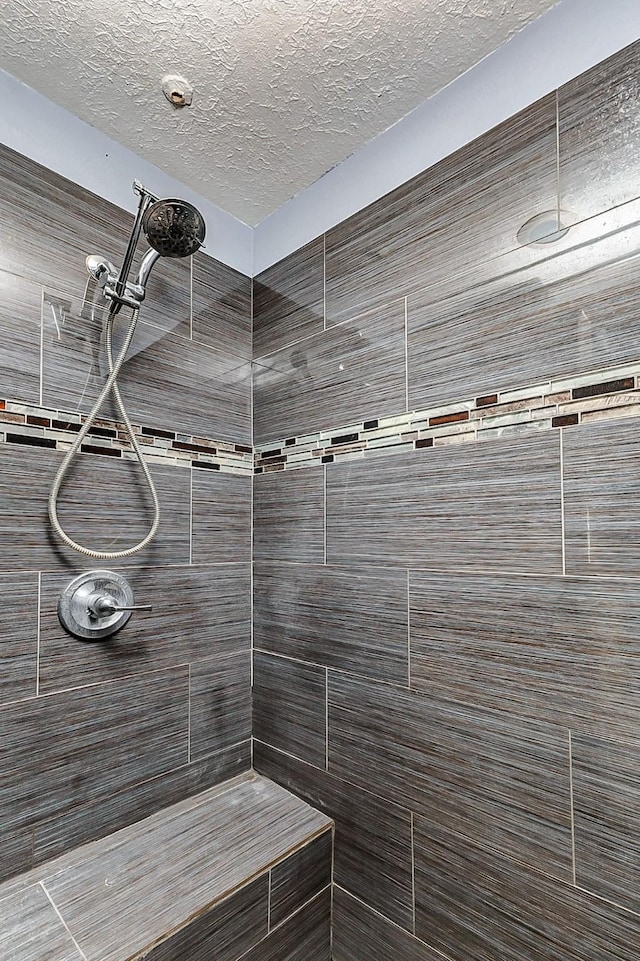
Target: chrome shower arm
148,261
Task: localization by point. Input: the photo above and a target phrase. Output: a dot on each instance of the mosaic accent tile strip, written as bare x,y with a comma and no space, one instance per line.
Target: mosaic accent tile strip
603,395
45,427
558,404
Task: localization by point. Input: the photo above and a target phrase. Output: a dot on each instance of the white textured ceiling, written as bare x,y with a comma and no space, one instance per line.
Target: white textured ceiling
284,89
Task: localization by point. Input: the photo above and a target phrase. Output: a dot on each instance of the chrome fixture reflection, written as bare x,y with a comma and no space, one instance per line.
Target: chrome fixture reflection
97,604
548,227
173,228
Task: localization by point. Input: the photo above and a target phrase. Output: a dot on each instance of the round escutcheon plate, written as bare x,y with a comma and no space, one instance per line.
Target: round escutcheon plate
87,606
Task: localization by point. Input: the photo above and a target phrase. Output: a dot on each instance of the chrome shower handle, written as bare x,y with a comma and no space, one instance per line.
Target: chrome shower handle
133,607
101,605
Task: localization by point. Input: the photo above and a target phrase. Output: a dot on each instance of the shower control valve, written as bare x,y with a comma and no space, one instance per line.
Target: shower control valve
97,604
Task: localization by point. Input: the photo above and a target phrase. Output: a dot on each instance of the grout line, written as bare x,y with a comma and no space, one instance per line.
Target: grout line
326,719
282,924
191,517
393,924
38,633
615,904
408,628
562,520
180,566
137,675
269,904
41,390
251,578
573,829
324,281
251,514
558,187
189,724
53,905
333,887
253,283
191,298
406,351
398,685
324,520
413,878
355,568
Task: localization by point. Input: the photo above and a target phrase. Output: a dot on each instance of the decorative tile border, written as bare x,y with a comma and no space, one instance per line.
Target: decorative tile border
602,395
42,427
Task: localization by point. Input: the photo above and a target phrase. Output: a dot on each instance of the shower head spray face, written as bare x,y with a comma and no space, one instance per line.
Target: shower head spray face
174,228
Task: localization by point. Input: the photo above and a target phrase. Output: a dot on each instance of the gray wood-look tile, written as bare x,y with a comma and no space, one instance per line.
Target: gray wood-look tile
288,299
339,376
220,706
599,133
494,505
89,822
98,491
563,650
197,612
473,905
602,499
372,855
304,937
82,745
499,780
348,618
18,636
359,933
221,518
221,307
299,878
48,224
30,929
606,805
225,933
465,209
167,381
288,516
289,706
20,310
16,852
527,320
176,865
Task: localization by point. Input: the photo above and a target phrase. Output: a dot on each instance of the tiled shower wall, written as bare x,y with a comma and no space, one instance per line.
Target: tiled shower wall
447,543
96,735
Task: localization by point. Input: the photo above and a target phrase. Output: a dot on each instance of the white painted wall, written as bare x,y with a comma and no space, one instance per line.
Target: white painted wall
55,138
570,38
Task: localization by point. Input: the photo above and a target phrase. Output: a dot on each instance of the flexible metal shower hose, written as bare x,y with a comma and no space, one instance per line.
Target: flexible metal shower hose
111,386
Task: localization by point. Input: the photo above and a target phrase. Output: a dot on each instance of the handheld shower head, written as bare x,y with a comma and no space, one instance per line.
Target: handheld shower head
174,228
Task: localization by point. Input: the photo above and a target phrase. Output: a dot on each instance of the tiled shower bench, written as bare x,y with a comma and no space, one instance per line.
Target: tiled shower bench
240,871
